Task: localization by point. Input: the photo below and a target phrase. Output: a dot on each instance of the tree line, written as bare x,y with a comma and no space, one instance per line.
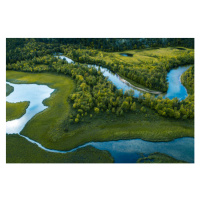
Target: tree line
187,79
26,48
121,44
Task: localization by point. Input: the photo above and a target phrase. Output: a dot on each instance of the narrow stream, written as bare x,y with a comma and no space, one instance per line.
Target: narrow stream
123,151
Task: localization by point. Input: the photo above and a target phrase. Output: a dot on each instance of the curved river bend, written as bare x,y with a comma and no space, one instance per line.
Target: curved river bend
123,151
175,87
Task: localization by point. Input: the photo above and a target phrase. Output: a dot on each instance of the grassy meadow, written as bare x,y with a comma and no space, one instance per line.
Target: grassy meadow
149,56
16,110
141,58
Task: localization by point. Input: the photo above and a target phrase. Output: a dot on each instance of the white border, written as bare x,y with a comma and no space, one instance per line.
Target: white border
98,19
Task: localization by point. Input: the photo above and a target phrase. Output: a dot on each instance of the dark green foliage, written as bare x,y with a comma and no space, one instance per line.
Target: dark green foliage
18,49
170,108
120,44
187,79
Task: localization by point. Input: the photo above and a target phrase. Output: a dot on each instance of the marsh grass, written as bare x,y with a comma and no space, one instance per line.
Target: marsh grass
141,57
19,150
16,110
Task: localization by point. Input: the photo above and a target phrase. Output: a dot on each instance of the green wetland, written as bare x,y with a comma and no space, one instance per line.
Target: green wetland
75,127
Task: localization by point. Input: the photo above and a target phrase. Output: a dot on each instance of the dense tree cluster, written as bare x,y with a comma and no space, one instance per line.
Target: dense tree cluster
18,49
170,108
187,79
121,44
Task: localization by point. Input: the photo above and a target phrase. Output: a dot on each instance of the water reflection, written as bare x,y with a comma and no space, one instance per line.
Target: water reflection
33,93
128,151
176,88
126,54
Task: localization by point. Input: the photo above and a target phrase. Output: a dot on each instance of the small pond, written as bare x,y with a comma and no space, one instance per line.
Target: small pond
126,54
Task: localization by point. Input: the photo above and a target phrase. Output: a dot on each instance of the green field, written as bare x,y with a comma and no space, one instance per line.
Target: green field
139,57
147,56
19,150
48,127
16,110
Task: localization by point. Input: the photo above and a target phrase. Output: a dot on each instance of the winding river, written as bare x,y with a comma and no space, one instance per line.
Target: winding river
175,87
123,151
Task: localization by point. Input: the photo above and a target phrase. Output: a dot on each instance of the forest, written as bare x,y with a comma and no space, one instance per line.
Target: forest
93,92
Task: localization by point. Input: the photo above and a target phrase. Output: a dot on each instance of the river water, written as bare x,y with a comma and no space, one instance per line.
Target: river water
123,151
175,87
